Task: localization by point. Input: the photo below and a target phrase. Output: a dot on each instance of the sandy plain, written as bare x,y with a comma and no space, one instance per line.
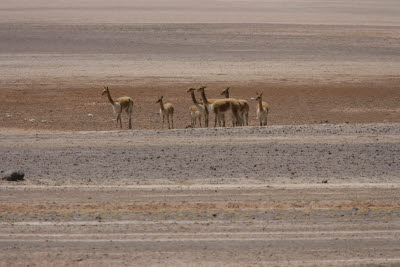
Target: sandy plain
95,195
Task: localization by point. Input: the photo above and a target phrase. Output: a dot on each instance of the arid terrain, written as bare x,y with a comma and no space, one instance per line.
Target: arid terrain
318,186
280,195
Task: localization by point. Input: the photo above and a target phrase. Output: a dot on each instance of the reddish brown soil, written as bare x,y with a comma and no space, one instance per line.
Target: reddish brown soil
368,101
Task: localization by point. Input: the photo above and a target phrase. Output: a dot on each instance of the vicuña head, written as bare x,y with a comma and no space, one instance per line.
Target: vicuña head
259,96
201,88
225,92
190,90
160,99
105,91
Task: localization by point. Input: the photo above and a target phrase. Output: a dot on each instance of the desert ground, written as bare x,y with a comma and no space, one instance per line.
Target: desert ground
318,186
318,195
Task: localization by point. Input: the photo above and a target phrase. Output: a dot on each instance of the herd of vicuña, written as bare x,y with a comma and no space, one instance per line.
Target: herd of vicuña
238,109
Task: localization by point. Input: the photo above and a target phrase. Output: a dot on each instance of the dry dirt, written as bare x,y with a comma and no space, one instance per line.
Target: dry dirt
280,195
318,186
67,110
309,73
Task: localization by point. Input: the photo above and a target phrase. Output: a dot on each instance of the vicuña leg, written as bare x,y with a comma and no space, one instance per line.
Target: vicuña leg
119,119
129,113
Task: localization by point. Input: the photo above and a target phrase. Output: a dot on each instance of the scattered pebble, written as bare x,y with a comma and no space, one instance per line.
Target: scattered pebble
90,115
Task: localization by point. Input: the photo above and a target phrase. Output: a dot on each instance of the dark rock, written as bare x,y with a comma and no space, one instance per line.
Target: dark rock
325,181
13,176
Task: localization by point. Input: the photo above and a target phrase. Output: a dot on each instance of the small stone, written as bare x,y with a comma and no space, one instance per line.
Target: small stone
13,176
325,181
90,115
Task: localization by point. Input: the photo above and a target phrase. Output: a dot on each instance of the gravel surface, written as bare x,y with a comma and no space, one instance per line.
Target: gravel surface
278,195
294,154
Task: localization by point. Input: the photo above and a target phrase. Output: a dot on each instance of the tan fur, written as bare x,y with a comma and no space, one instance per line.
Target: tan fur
198,110
262,110
119,105
195,114
166,110
244,111
220,107
244,108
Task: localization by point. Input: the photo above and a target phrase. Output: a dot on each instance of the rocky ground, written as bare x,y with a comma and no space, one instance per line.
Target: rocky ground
281,195
318,186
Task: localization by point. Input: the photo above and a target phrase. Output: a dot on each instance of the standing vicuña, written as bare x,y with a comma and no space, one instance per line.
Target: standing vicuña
244,108
119,105
220,107
166,110
262,110
198,110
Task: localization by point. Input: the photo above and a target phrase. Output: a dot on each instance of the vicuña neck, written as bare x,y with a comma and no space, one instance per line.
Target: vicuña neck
162,105
260,103
110,98
194,98
203,96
